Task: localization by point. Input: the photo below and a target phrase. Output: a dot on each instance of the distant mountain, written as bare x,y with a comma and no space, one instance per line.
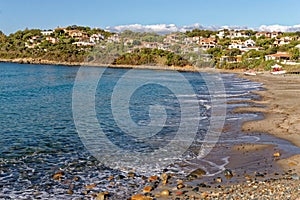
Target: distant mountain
169,28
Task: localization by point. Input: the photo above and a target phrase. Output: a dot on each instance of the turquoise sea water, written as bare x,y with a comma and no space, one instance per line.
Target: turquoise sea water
38,136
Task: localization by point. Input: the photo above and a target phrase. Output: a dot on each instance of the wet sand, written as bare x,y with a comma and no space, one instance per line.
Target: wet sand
282,110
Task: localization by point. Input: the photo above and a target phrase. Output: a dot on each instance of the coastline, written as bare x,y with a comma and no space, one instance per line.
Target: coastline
142,67
281,112
280,119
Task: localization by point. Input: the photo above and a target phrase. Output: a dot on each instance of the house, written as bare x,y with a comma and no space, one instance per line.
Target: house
52,39
237,34
35,38
127,41
151,45
231,59
282,41
163,46
236,44
192,40
82,43
95,38
47,32
263,34
207,43
172,38
221,34
114,38
249,43
76,34
279,56
243,46
275,34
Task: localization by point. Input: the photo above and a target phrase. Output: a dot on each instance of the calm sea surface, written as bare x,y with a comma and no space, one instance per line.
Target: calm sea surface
38,136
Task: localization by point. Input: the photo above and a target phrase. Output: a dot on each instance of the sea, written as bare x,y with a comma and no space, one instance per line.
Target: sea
93,123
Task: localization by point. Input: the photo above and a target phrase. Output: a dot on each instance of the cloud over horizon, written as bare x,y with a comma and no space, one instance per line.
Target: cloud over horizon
169,28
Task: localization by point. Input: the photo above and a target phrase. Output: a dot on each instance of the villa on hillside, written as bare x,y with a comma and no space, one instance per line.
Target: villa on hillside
47,32
231,59
237,34
243,46
279,56
207,43
282,41
192,40
273,34
114,38
77,34
172,38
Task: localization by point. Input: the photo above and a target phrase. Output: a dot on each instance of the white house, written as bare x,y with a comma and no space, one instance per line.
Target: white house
96,38
82,43
221,34
47,32
207,43
114,38
249,43
237,34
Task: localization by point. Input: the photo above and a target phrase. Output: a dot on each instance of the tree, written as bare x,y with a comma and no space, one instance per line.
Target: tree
254,54
2,37
295,53
215,52
232,52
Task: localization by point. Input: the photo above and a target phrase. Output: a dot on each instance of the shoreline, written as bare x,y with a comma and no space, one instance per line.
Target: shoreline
142,67
280,111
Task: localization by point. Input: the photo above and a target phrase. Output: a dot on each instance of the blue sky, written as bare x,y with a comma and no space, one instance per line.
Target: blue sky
45,14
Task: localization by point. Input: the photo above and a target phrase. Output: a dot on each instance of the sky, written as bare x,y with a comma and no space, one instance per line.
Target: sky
48,14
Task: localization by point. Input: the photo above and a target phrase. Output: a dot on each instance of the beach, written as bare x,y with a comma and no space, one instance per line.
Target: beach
280,105
282,112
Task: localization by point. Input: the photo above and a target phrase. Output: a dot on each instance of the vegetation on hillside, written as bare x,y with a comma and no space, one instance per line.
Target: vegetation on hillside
148,56
199,48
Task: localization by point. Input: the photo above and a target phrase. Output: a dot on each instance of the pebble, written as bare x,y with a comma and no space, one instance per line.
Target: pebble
102,196
153,178
164,177
131,174
219,180
165,193
58,175
147,189
295,177
198,173
228,173
180,186
91,186
277,154
204,195
76,178
140,197
70,192
110,178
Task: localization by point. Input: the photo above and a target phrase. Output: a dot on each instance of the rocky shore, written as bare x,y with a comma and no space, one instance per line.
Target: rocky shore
281,107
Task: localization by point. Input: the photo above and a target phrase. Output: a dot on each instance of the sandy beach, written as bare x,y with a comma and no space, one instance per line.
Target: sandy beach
282,112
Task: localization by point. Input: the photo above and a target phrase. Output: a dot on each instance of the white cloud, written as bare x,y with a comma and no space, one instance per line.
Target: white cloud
169,28
280,28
